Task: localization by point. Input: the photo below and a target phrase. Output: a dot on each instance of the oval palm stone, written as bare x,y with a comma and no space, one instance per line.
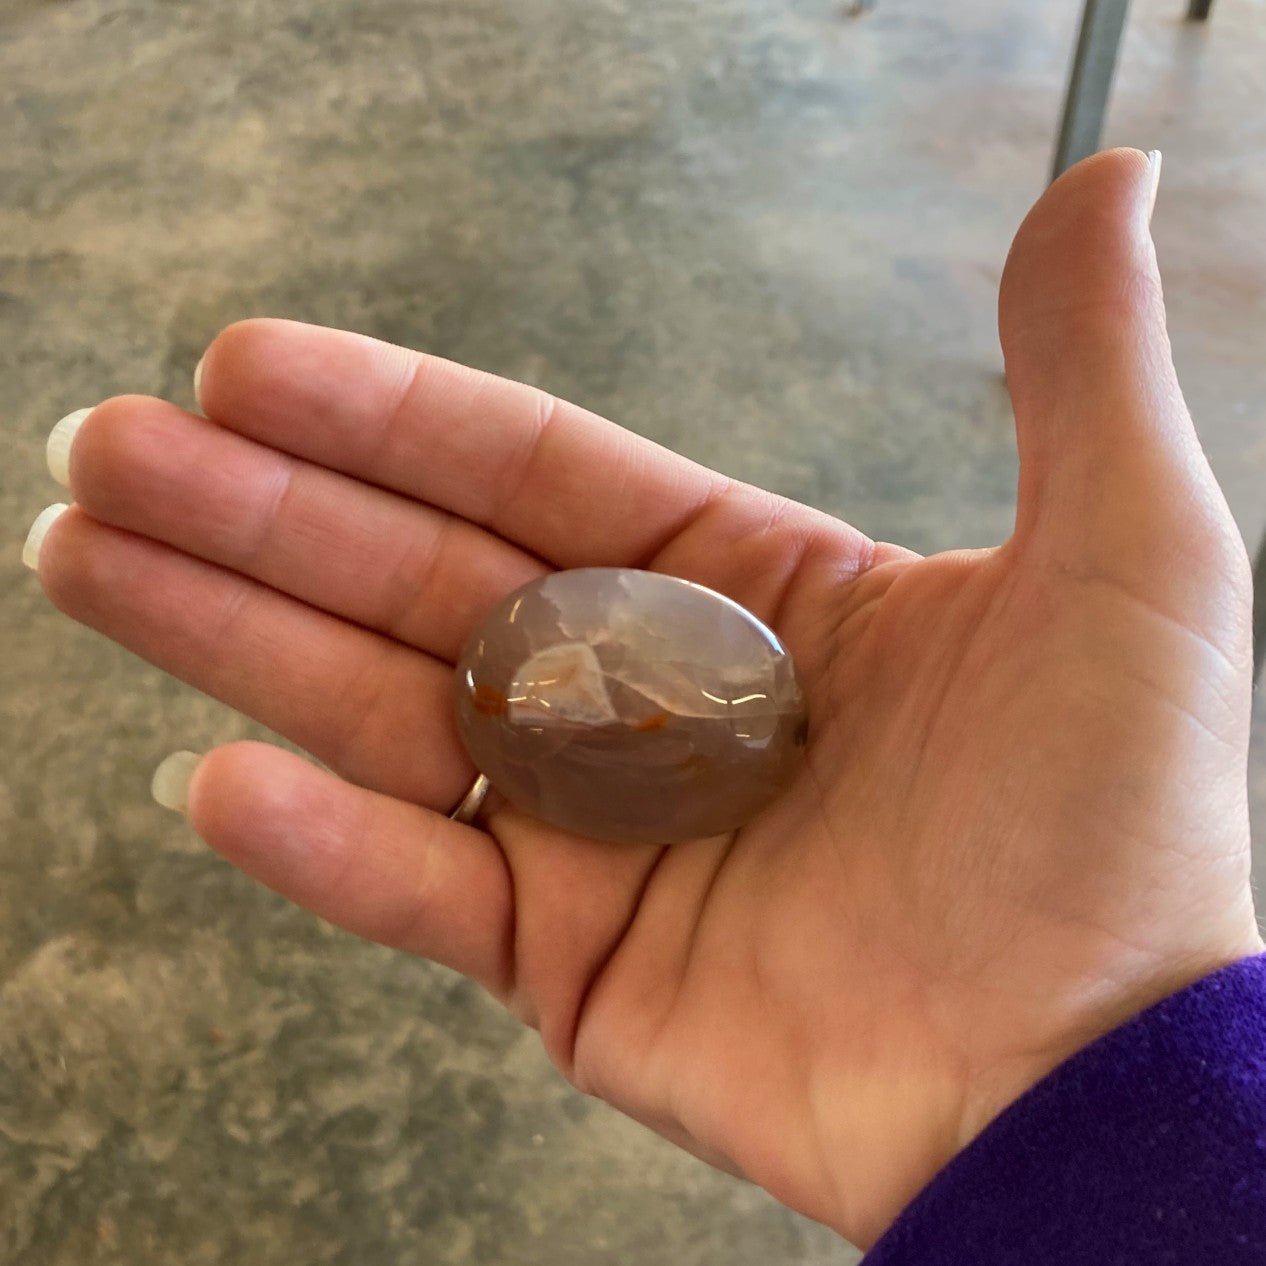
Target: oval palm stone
630,706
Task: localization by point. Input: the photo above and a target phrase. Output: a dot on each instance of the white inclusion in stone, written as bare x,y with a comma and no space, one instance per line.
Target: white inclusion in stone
562,684
669,688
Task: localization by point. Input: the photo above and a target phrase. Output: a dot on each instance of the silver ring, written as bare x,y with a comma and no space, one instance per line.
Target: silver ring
472,801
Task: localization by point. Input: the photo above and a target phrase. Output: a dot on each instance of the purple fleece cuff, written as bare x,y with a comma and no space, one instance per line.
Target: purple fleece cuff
1148,1146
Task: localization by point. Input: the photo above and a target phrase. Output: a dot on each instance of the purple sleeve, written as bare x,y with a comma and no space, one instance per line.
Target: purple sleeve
1148,1146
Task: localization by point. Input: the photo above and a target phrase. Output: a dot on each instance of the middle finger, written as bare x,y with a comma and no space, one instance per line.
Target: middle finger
418,574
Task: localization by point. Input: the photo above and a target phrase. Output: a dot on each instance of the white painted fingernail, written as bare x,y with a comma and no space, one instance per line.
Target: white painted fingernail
39,530
170,785
60,439
197,380
1154,174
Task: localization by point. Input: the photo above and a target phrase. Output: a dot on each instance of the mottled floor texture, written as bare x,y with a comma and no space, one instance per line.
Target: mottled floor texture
757,230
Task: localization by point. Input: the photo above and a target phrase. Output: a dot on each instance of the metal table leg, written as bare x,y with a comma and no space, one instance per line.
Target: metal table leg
1259,610
1094,62
1198,10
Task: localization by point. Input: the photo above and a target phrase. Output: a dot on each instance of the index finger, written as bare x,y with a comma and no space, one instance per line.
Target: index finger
558,480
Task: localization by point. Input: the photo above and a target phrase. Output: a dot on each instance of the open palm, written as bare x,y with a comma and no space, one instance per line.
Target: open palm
1022,815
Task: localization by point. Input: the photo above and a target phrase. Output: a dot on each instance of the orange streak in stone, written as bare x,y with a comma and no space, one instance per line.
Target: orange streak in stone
488,702
657,722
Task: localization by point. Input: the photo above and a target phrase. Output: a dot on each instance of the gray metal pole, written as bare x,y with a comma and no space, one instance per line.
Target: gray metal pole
1199,10
1095,60
1259,610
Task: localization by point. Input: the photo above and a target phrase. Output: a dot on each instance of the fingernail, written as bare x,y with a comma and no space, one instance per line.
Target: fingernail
1154,174
197,380
170,784
39,530
60,438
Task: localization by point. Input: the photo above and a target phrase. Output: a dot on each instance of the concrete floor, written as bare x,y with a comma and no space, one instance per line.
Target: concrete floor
754,229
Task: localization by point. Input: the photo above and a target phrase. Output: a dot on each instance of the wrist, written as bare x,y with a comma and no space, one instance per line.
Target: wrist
1093,1010
928,1117
1141,1146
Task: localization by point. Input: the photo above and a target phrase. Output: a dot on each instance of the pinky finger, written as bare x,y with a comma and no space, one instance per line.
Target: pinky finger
382,868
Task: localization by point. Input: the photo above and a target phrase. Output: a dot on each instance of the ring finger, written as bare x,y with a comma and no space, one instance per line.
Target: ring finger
374,710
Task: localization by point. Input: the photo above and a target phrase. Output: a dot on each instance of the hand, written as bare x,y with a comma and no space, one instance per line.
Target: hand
1023,813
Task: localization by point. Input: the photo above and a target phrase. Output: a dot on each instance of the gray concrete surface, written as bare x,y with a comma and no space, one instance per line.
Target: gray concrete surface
754,229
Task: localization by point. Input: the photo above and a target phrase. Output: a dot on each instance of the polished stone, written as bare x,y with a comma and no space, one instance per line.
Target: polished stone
631,706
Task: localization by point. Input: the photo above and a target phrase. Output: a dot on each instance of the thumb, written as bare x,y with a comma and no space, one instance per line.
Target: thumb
1113,482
